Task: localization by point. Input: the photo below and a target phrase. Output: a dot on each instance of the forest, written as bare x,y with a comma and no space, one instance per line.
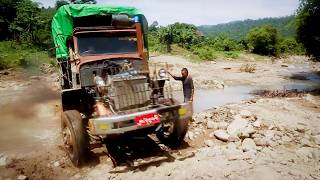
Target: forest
25,33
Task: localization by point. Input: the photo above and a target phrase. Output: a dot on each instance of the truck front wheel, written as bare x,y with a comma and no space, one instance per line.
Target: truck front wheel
74,136
173,133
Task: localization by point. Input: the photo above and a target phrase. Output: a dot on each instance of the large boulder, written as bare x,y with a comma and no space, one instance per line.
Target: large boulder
237,125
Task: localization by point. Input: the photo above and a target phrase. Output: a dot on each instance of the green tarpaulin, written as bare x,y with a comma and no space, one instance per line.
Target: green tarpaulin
62,22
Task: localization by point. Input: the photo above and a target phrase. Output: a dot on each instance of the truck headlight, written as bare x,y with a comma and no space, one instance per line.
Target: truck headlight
162,73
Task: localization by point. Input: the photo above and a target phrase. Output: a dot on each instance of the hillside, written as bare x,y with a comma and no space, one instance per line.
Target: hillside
239,29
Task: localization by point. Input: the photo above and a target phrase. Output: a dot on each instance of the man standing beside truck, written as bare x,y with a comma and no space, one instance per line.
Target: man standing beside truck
187,84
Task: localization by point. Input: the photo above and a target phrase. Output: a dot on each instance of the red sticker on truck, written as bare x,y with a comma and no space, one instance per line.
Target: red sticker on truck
147,119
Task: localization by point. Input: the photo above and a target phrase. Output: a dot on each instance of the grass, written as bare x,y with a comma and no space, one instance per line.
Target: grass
18,56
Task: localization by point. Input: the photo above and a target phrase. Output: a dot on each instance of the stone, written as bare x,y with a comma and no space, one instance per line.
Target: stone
248,145
22,177
286,139
209,143
222,125
4,160
35,77
211,125
233,138
305,142
249,129
221,135
260,141
56,164
316,139
237,125
190,135
245,113
257,124
304,153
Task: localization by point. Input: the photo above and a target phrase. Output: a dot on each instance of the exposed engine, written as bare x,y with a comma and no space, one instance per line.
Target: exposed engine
117,87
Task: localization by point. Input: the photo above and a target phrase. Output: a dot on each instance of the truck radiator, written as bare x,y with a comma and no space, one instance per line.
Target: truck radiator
130,93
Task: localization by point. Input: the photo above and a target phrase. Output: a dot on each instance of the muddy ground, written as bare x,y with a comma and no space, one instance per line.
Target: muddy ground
263,135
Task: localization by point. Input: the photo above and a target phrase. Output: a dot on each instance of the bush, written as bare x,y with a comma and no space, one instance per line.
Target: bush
263,40
290,46
204,53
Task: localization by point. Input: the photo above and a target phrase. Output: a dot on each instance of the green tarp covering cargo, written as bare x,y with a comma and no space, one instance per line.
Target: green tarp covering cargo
63,22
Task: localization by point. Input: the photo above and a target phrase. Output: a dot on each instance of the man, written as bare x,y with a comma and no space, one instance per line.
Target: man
187,84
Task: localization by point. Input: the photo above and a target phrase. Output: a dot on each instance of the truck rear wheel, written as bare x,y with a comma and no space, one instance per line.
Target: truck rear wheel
173,133
74,135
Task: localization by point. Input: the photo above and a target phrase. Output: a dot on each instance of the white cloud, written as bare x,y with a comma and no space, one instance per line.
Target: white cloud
205,11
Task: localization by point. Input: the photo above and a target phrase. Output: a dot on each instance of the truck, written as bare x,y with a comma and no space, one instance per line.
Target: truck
107,87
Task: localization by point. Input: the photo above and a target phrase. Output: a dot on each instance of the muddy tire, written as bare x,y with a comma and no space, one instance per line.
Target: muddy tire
173,133
75,138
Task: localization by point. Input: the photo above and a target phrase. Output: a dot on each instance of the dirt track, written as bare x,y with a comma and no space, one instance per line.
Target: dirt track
286,142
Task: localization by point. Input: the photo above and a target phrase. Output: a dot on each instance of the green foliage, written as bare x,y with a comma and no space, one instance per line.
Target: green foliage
60,3
15,55
83,1
290,46
7,15
239,29
308,27
263,40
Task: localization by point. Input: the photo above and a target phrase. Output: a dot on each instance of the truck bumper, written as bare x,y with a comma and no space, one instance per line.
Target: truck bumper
119,124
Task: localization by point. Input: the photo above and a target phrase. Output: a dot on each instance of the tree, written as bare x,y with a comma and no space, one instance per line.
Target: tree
83,1
263,40
166,37
8,10
308,27
60,3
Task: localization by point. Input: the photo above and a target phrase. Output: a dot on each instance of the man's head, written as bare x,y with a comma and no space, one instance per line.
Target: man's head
184,72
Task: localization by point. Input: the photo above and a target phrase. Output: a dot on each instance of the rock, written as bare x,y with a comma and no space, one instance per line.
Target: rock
222,125
35,77
201,117
56,164
4,73
305,142
77,176
221,135
218,84
260,141
211,125
190,135
245,113
257,124
209,143
237,125
4,160
249,130
22,177
304,153
286,139
316,139
301,128
233,138
248,145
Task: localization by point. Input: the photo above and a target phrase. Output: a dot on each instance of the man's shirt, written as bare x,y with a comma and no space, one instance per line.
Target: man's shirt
187,84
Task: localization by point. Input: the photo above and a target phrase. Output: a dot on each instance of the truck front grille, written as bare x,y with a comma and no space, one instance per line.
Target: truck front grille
130,93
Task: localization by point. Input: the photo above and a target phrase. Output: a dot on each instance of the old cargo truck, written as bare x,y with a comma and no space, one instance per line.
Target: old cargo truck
107,89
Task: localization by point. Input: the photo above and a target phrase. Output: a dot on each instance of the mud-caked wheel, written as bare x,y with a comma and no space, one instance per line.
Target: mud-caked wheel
173,133
74,136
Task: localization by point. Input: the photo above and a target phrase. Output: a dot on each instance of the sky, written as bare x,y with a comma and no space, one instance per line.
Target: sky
204,12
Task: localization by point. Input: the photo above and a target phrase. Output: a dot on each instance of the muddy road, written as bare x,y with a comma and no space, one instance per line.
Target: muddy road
235,134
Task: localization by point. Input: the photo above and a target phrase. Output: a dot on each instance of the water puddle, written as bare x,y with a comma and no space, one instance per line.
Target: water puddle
208,98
